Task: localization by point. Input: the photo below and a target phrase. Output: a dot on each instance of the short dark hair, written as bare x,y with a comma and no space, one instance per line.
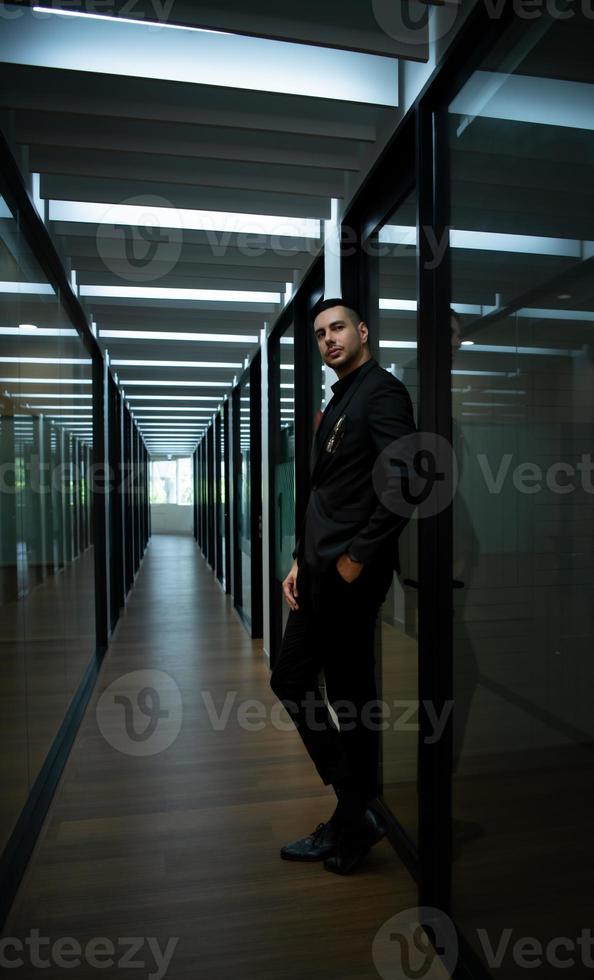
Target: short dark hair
328,304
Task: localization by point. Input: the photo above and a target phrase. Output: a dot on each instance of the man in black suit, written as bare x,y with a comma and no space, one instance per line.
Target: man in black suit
344,561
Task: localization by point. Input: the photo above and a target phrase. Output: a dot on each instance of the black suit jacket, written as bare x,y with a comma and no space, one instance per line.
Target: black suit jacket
344,512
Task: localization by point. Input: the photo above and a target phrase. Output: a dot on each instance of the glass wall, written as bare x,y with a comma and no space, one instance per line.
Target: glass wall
392,269
282,477
521,142
221,500
243,478
47,612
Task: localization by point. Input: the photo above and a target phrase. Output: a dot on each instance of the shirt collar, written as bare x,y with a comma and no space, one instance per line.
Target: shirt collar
339,387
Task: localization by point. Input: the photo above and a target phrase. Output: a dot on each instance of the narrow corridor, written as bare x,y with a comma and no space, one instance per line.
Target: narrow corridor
183,844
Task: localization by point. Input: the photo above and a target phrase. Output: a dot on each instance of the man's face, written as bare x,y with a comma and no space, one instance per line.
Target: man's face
339,340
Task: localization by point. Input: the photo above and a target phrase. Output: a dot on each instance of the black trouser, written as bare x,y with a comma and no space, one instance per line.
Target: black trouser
334,629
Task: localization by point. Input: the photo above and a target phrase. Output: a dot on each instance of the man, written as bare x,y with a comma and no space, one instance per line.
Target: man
344,562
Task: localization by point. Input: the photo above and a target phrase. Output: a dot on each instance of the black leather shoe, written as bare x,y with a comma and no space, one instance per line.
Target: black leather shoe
319,844
354,845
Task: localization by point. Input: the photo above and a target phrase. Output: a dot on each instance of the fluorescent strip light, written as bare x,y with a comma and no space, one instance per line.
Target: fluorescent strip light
154,383
524,98
130,47
40,332
545,351
493,242
403,344
230,222
57,408
177,364
527,244
140,410
125,20
487,374
579,315
53,394
45,360
173,418
169,293
207,338
47,381
398,304
179,398
30,288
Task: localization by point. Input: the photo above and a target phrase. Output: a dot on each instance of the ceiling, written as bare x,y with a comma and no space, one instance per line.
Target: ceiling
191,162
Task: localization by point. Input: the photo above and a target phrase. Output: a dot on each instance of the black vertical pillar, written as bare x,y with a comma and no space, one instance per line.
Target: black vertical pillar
435,533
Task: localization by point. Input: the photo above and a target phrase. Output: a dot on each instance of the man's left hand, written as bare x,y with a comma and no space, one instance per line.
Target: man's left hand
348,570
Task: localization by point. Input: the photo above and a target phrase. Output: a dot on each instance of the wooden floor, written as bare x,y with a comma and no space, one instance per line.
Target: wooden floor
183,844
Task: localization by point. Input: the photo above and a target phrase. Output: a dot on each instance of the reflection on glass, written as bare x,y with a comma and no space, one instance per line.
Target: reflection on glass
244,500
222,503
47,628
396,285
284,466
523,404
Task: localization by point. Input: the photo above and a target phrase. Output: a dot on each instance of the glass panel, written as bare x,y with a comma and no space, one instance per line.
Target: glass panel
284,467
395,279
47,623
244,530
522,146
222,500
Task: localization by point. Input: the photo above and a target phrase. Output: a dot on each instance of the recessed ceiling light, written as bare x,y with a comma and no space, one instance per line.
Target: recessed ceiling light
168,335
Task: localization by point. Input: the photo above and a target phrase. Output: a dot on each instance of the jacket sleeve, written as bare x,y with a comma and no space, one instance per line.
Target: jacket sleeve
390,417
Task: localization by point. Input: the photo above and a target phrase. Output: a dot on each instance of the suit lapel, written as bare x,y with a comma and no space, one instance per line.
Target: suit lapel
318,444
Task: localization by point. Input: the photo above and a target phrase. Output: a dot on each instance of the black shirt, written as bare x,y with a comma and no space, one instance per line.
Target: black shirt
332,410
